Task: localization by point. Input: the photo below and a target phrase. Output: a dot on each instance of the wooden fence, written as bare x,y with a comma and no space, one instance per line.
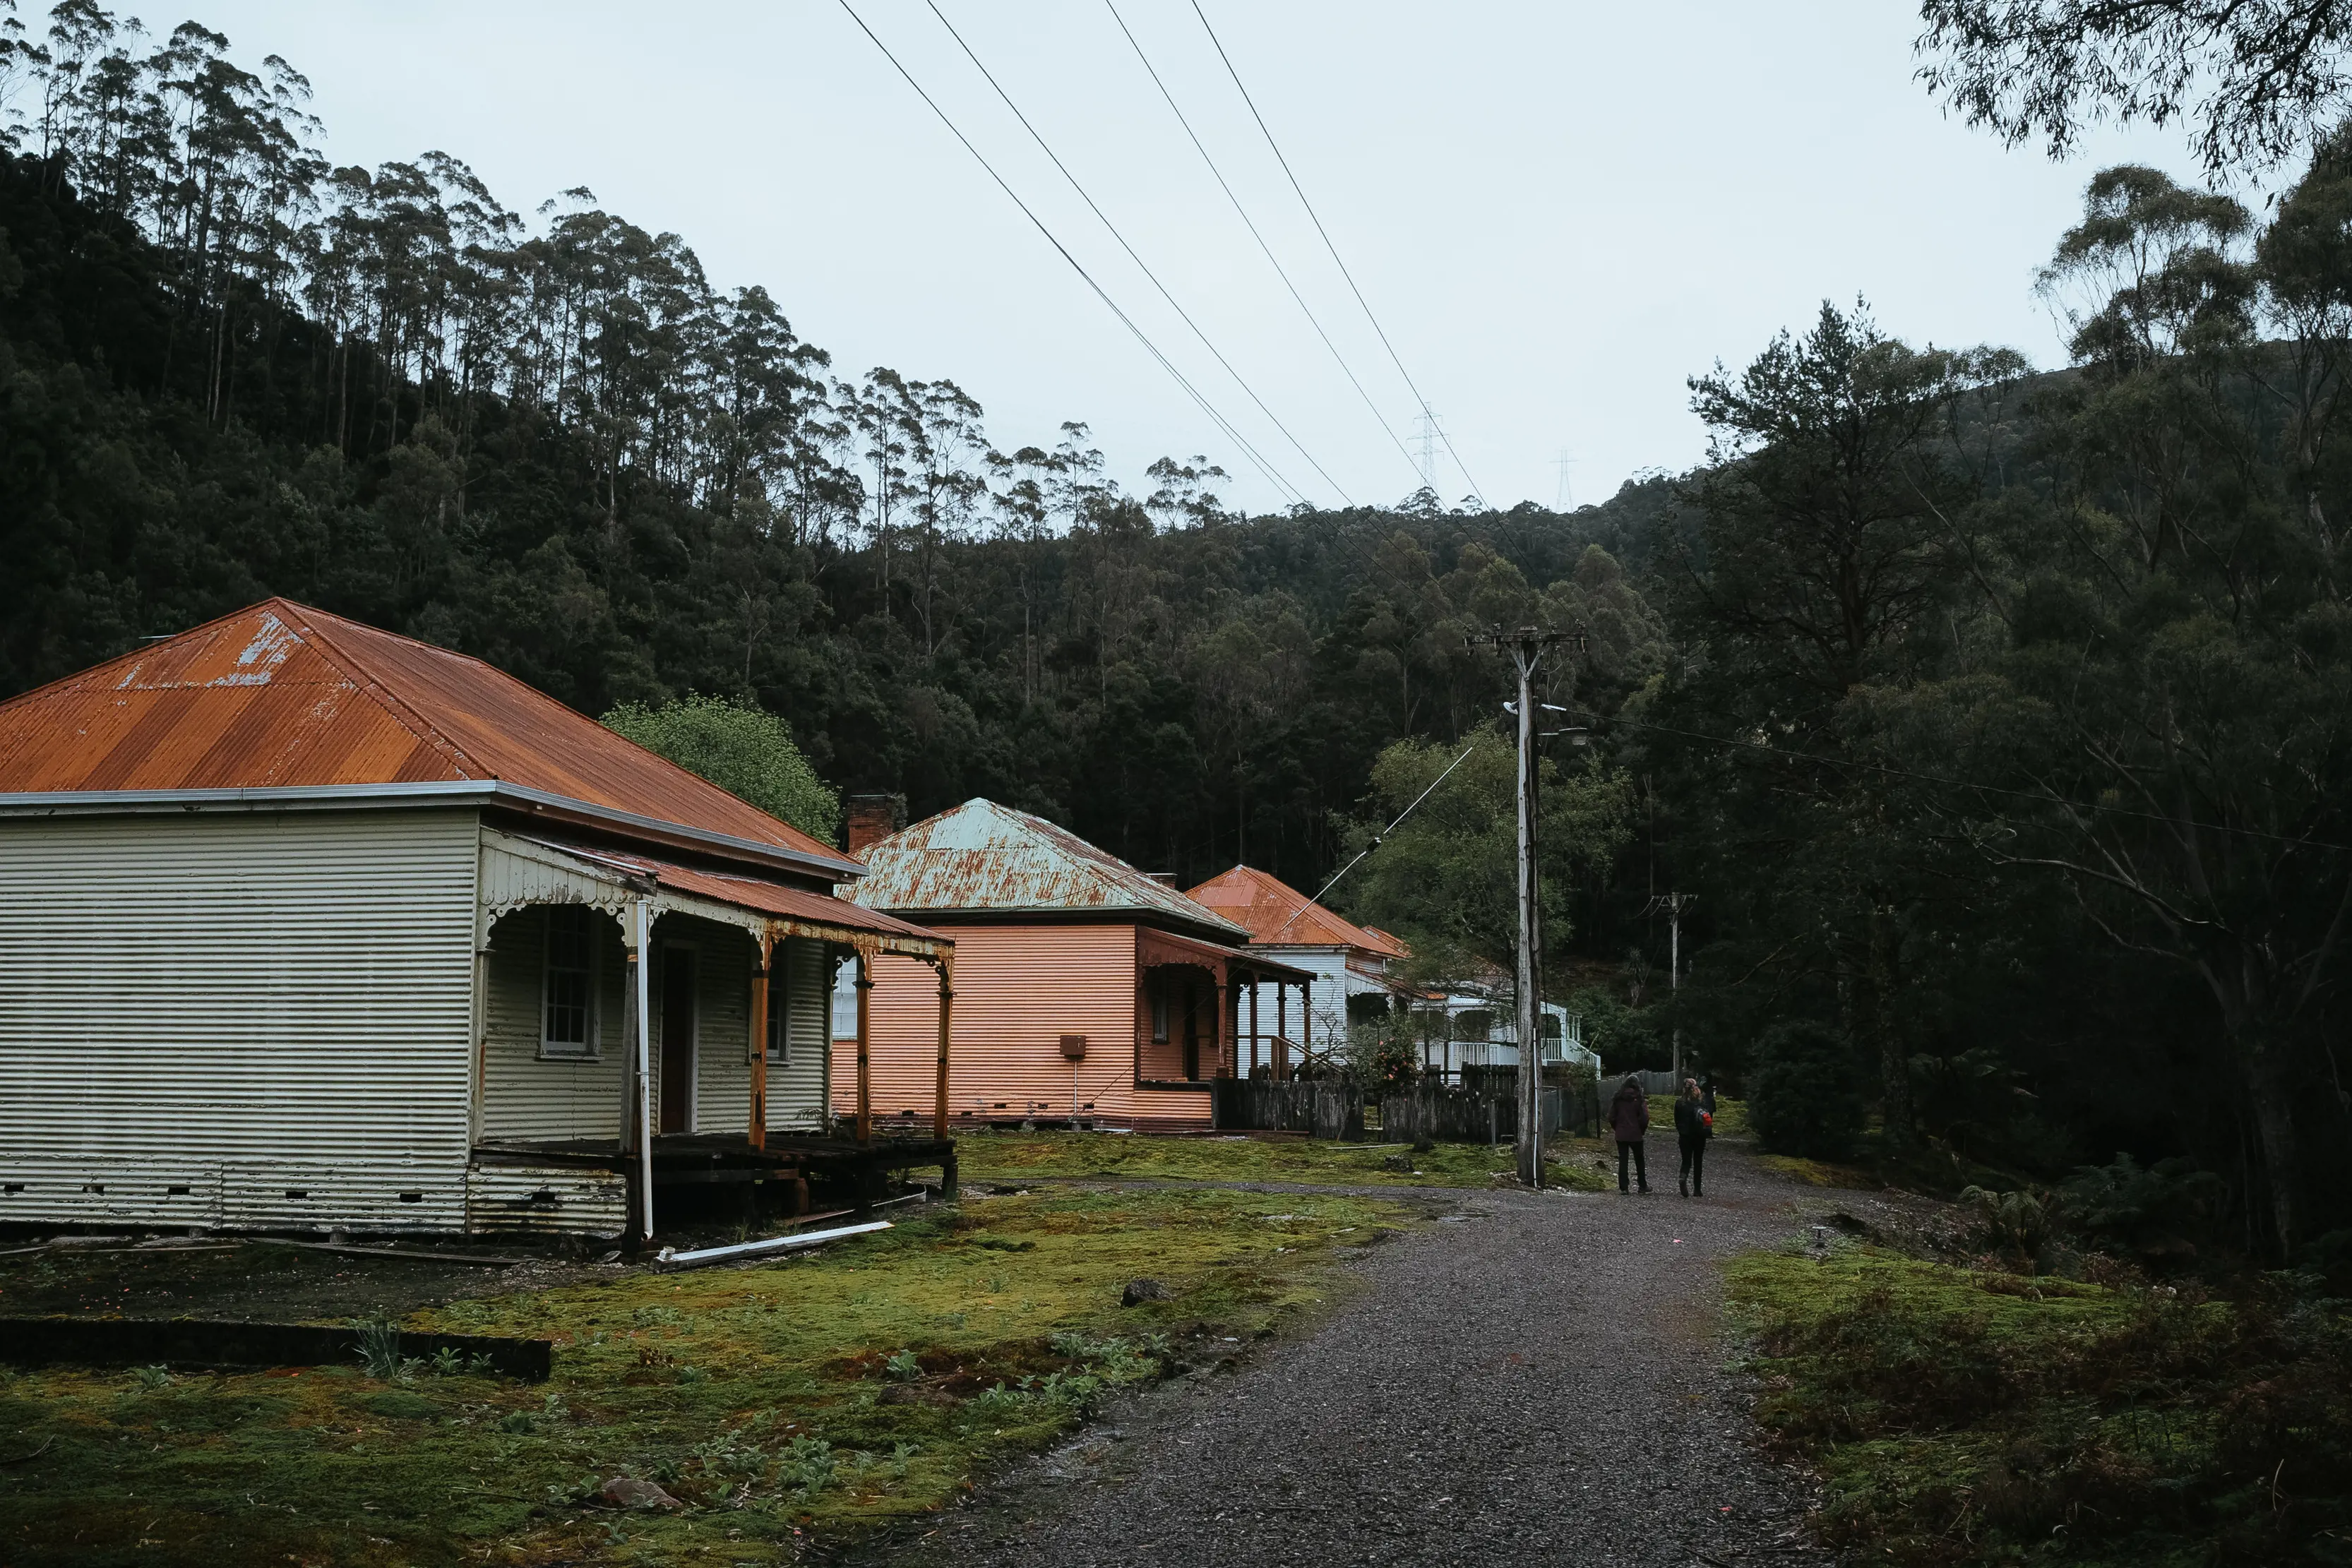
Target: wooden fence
1437,1112
1321,1108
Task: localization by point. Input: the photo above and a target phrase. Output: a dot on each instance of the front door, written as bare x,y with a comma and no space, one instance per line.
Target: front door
677,1040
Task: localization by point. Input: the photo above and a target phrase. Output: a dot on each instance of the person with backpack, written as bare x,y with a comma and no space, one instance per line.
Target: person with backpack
1629,1118
1694,1126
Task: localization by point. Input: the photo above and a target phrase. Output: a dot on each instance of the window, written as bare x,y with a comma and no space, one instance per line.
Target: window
845,999
1158,1012
568,1014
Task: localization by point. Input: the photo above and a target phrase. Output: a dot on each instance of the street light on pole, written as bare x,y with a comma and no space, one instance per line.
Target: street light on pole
1526,647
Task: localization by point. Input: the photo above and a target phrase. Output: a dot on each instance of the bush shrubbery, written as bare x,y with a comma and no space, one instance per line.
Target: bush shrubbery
1801,1097
1970,1416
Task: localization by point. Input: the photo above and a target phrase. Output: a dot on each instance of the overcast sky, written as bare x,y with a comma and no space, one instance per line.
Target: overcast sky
1557,211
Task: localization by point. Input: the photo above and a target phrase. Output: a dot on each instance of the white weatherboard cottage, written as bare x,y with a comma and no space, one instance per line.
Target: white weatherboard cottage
307,925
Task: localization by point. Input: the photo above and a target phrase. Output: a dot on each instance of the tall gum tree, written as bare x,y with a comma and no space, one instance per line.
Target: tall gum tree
2171,723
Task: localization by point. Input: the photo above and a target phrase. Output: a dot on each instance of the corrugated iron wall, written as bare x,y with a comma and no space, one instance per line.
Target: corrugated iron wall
526,1094
724,955
237,1019
797,1085
1018,988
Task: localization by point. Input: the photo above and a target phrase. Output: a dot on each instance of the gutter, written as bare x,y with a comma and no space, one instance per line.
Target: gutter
538,803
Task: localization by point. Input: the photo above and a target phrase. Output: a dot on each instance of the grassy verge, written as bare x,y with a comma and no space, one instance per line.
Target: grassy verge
778,1403
1014,1156
1819,1173
1967,1416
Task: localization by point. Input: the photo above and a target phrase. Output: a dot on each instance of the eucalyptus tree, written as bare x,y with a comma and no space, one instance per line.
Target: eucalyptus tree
2257,80
947,454
2172,721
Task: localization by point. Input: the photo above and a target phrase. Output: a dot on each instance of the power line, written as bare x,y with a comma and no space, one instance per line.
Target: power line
1273,476
1139,261
1393,357
1368,849
1242,212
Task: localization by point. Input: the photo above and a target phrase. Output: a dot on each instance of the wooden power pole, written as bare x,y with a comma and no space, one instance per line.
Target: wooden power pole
1527,646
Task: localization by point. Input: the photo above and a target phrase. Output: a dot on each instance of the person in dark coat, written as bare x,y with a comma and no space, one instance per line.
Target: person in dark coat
1629,1118
1694,1126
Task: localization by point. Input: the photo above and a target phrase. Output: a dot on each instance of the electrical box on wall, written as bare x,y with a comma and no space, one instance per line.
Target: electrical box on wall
1074,1047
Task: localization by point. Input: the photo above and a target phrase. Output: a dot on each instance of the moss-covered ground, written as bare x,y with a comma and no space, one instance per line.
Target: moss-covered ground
1818,1173
1016,1156
782,1404
1962,1416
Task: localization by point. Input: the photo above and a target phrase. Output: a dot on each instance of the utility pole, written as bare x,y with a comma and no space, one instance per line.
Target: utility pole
1674,904
1526,646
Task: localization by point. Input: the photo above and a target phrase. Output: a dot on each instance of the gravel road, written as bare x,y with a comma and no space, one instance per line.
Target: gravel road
1535,1379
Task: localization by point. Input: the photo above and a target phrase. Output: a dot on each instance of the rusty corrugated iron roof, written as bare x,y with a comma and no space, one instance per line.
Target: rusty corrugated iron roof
279,696
759,894
1153,947
1277,915
980,857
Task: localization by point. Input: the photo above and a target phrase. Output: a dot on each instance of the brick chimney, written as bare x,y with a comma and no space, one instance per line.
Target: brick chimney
873,816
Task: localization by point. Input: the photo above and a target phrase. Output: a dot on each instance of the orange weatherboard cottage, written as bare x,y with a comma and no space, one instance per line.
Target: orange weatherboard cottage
1087,992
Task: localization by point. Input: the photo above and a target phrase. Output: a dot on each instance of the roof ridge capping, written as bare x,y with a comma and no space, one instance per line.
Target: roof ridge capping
369,686
1302,915
93,739
936,865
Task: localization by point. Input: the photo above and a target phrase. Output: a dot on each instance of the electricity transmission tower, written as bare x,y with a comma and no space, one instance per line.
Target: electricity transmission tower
1565,499
1429,439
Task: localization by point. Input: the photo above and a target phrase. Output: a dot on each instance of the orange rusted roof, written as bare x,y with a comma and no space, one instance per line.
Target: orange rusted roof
1277,915
981,858
1155,947
281,696
760,896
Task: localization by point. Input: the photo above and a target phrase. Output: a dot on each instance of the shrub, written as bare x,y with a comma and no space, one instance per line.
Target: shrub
1624,1037
1801,1097
2017,1222
1385,1055
2148,1209
742,748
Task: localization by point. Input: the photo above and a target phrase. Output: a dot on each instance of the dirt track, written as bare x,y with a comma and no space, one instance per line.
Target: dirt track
1536,1379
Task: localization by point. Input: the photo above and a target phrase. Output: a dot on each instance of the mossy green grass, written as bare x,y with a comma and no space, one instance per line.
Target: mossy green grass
1962,1416
781,1404
1017,1156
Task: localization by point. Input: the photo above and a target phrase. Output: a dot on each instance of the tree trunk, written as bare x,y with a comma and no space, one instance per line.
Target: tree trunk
1885,1039
2270,1087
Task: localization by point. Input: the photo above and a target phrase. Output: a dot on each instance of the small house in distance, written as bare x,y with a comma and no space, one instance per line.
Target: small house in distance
1353,966
1087,993
1471,1028
307,925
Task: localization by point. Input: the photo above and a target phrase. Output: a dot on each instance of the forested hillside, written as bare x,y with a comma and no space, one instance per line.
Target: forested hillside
1999,724
232,368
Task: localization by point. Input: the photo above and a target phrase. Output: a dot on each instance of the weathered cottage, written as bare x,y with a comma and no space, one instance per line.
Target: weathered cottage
306,925
1354,966
1086,991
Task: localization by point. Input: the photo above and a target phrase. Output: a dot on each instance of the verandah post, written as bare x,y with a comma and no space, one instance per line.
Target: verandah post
864,1047
1253,1032
945,966
761,972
